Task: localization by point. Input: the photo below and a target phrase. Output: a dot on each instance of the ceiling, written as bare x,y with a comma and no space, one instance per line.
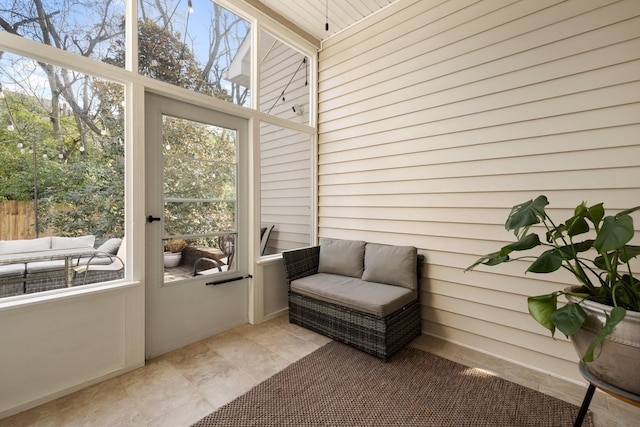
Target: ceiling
311,15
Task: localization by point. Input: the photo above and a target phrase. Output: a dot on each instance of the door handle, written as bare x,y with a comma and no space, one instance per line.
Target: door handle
152,218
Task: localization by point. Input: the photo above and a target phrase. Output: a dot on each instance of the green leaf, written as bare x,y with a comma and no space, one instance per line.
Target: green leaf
595,213
491,259
527,242
526,214
617,314
548,262
629,252
541,307
614,233
577,225
569,318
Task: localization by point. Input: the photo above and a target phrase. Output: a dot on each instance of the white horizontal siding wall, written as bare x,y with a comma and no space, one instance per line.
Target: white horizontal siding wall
436,117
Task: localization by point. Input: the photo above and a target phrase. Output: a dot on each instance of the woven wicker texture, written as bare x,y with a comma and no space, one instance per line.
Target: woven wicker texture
341,386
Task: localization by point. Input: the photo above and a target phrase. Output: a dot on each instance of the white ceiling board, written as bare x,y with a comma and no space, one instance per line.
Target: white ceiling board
310,15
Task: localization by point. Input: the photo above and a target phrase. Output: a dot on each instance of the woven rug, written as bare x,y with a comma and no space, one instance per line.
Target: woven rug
339,386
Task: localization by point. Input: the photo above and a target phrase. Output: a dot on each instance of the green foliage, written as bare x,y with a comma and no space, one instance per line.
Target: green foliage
600,266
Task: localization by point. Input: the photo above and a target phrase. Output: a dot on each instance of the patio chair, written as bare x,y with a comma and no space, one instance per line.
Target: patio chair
265,232
226,243
101,267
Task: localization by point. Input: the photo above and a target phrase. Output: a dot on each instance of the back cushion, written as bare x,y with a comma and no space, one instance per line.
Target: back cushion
31,245
393,265
344,257
111,246
72,242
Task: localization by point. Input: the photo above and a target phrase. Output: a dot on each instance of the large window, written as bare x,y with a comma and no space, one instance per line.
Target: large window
61,176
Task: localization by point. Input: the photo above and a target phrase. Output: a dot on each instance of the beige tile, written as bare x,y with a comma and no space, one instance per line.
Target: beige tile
227,383
155,375
283,343
119,413
258,361
103,394
184,415
45,415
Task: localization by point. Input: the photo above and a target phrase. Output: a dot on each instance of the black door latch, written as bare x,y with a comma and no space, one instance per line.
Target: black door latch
152,218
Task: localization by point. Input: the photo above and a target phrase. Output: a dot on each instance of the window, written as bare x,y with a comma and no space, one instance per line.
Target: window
191,44
91,29
286,187
284,80
200,196
61,173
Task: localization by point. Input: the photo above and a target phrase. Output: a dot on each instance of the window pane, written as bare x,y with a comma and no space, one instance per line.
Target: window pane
200,196
61,172
286,184
191,44
92,29
284,80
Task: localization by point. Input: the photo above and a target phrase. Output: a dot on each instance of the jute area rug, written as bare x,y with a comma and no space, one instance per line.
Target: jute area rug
339,386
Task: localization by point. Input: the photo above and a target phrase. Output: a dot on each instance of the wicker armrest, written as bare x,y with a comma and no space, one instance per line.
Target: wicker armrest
300,263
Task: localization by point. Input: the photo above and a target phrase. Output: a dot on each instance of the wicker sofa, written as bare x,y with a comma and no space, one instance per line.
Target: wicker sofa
363,294
48,274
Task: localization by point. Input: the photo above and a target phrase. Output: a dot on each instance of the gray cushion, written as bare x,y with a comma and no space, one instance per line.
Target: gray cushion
111,246
345,257
72,242
395,265
30,245
41,266
11,270
373,298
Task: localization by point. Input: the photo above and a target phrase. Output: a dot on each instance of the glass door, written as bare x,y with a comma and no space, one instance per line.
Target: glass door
196,256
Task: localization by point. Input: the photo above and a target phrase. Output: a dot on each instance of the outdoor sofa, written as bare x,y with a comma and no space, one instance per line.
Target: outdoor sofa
49,272
364,294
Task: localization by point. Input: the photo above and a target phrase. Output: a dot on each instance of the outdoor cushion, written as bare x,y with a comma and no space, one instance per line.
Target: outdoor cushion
11,270
40,266
344,257
28,245
72,242
111,246
373,298
98,259
395,265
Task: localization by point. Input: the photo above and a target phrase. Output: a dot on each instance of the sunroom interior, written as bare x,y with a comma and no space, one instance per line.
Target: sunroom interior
404,122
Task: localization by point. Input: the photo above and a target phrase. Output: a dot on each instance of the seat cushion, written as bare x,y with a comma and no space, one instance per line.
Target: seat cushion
370,297
42,266
395,265
343,257
12,270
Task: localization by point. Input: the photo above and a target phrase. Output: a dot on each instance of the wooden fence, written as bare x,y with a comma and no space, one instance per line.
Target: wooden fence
17,221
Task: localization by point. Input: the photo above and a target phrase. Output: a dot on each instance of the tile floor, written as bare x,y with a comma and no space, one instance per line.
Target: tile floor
183,386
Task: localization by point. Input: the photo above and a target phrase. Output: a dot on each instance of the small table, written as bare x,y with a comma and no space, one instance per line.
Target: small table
67,254
594,382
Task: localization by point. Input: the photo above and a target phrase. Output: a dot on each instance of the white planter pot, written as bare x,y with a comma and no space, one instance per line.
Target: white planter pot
617,361
172,259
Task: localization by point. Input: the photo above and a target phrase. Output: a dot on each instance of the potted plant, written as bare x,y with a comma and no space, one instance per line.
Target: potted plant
605,304
173,252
